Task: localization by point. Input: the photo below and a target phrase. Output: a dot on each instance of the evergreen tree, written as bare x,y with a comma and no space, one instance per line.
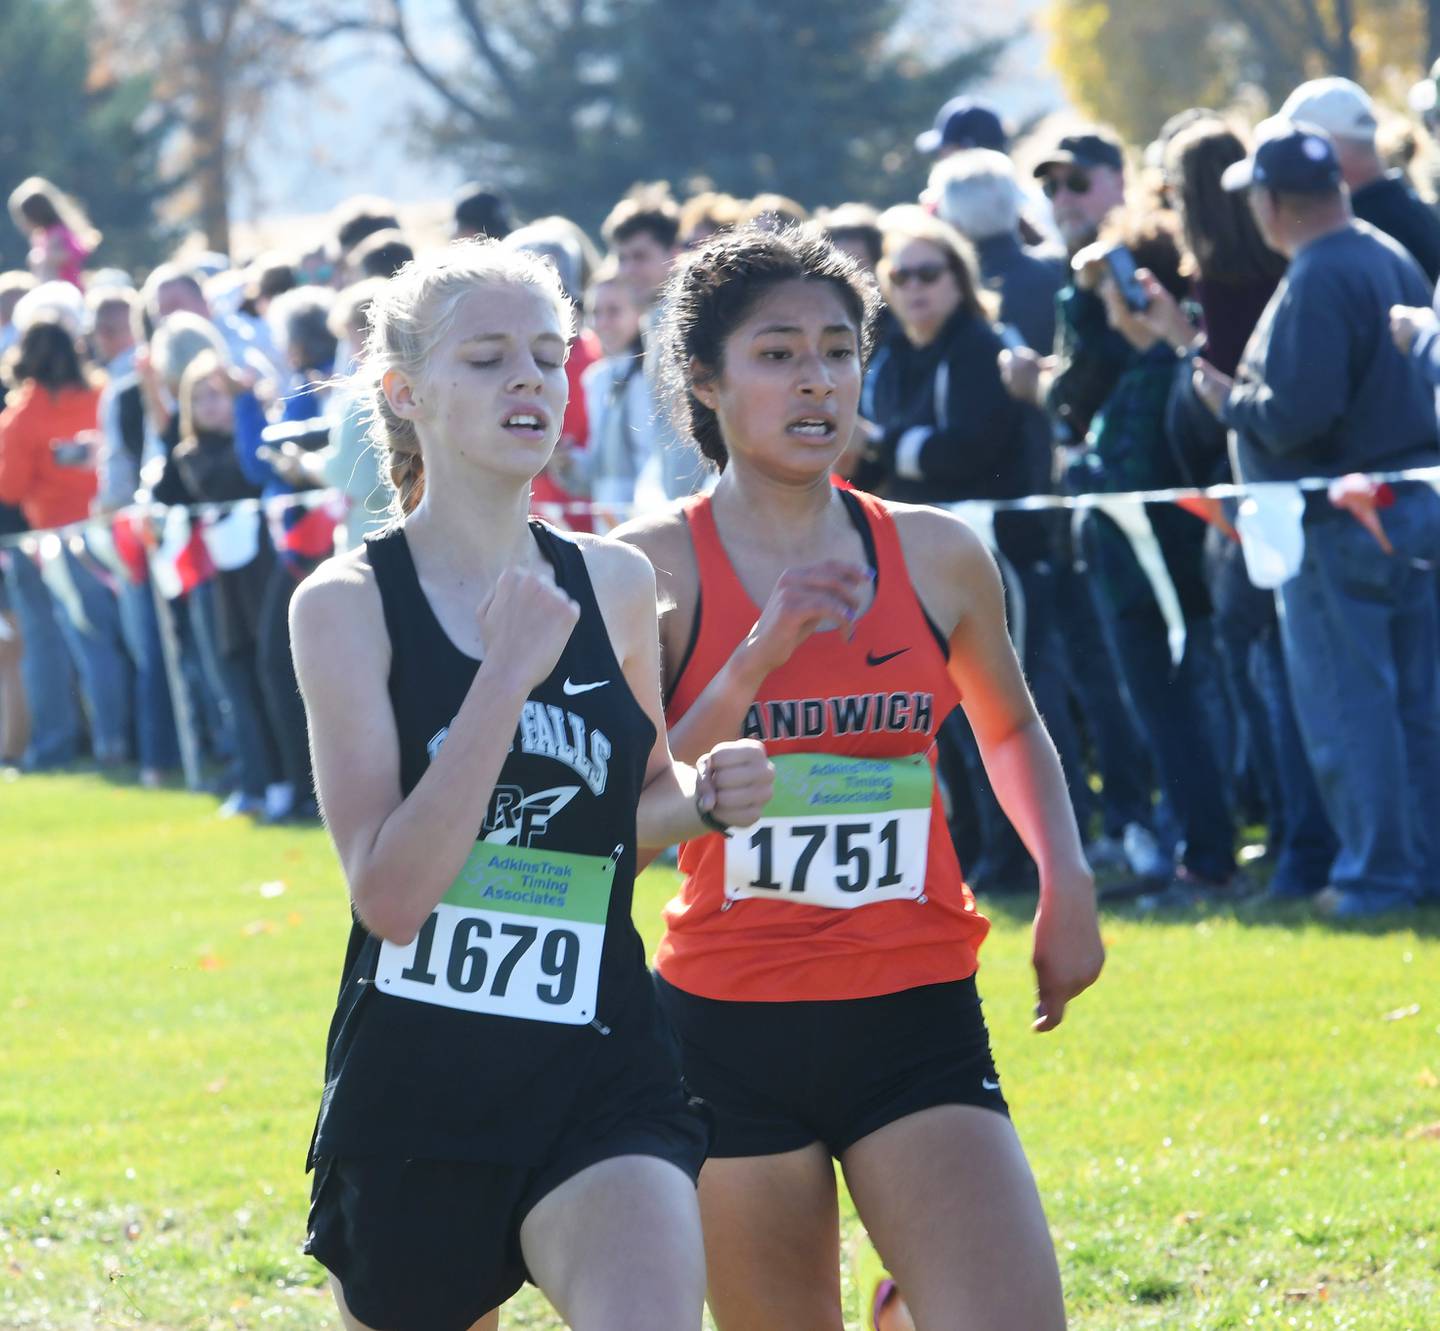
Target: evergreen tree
568,104
802,97
96,136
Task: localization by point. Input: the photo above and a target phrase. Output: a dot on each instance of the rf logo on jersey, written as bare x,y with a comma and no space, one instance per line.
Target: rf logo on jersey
518,819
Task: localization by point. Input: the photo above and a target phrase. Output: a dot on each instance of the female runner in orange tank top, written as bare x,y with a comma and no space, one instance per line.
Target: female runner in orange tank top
818,966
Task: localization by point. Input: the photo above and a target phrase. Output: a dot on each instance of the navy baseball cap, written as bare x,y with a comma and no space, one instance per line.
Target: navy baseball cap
1290,157
1088,149
965,123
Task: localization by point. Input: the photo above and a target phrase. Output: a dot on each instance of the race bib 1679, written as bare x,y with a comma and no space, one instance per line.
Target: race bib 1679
519,934
838,832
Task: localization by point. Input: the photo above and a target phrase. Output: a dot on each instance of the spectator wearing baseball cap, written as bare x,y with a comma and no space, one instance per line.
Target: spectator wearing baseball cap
1322,390
964,122
1383,198
1424,98
1083,176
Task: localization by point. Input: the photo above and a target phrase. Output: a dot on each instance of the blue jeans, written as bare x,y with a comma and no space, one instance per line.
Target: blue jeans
1302,845
1175,704
1299,825
1361,635
155,739
45,668
214,693
107,676
255,752
1119,751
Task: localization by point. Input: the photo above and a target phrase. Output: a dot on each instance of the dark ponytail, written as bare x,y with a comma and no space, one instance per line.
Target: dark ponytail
714,290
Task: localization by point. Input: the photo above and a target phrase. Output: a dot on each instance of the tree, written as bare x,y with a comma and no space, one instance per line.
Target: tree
1207,52
568,102
75,121
214,62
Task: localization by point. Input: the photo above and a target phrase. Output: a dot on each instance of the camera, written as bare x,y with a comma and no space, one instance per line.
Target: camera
307,434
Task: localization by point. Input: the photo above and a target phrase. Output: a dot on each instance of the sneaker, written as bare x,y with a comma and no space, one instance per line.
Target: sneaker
1105,854
1143,853
279,800
988,880
302,811
240,804
1187,890
1338,903
1286,890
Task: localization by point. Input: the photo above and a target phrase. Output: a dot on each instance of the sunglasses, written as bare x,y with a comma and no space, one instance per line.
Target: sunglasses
925,274
1077,182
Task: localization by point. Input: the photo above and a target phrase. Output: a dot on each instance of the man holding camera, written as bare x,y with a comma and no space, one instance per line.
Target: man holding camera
1084,179
1323,391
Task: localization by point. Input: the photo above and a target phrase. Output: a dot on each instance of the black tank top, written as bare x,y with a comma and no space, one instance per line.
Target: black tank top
417,1079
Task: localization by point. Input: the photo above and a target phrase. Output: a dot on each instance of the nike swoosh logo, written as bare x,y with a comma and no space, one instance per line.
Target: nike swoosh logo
872,659
572,689
986,1084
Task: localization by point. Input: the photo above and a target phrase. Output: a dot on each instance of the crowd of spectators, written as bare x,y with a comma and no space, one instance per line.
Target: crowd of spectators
1222,305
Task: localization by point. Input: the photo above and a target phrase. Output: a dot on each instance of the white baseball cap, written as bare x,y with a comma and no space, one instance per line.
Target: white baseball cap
1341,108
1425,95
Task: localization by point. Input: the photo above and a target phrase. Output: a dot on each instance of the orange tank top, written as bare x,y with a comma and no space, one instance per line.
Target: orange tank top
867,839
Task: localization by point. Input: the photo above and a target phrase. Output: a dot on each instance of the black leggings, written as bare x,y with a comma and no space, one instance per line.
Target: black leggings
278,684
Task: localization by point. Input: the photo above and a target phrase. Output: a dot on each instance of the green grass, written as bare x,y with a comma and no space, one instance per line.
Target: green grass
1228,1132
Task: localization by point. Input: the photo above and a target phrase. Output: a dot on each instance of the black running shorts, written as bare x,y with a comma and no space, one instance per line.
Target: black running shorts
779,1076
435,1244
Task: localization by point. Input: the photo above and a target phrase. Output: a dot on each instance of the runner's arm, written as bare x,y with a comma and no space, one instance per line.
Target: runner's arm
733,781
399,854
1021,762
1020,758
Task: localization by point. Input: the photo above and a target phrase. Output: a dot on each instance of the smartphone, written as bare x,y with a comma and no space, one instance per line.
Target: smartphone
70,453
1121,264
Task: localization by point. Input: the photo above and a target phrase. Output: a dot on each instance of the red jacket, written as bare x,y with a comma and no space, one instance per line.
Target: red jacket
49,493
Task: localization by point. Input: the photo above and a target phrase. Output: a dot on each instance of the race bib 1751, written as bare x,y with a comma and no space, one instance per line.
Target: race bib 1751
519,934
838,832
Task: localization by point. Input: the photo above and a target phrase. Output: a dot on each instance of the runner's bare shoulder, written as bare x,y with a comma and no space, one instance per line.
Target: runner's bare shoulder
336,618
945,559
624,584
664,536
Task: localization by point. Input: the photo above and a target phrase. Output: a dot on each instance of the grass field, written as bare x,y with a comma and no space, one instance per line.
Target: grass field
1240,1127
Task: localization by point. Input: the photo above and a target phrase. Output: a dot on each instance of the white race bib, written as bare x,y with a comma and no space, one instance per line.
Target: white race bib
519,934
838,833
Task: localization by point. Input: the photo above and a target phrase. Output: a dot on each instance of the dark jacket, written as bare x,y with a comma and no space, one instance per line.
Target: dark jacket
1129,448
1091,357
1322,389
1229,313
206,470
952,432
1027,282
1392,206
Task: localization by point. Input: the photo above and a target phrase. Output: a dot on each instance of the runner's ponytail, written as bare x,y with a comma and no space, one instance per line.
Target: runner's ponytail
409,315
